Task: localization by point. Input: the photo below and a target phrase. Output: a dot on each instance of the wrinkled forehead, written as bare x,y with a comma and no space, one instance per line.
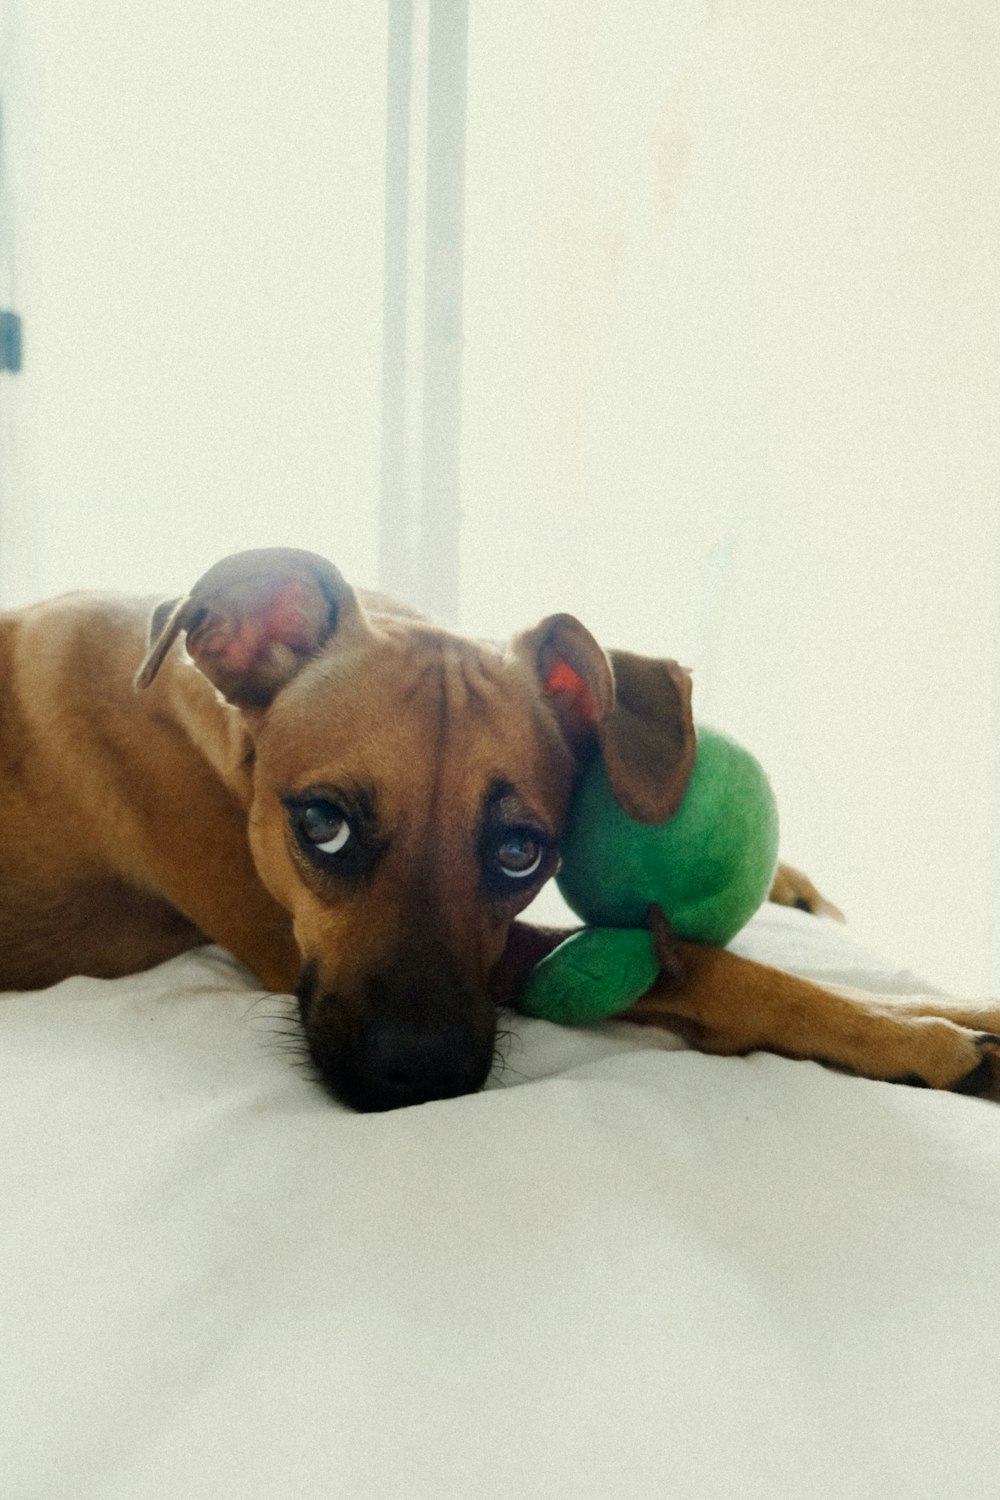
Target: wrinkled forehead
418,715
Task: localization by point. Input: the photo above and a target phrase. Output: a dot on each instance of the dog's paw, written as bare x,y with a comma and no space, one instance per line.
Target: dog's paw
985,1077
952,1057
792,888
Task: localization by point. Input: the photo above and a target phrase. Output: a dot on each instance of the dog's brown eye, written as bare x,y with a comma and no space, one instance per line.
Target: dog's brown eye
520,854
324,826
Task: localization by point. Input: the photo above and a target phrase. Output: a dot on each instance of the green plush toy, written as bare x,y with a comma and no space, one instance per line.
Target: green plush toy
708,868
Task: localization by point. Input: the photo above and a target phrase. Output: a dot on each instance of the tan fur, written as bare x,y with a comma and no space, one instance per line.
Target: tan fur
137,821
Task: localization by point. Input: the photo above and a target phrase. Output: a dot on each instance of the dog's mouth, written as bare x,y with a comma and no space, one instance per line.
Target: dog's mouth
401,1046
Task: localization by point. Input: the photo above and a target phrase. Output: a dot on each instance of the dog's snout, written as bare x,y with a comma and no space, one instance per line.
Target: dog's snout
414,1033
396,1064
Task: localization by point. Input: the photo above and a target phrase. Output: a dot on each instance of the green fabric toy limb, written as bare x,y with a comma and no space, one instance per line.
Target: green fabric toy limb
708,868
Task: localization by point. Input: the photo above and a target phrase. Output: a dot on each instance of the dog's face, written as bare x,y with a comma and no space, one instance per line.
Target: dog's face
409,797
410,790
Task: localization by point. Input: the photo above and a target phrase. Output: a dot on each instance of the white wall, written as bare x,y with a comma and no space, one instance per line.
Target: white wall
199,202
731,373
732,392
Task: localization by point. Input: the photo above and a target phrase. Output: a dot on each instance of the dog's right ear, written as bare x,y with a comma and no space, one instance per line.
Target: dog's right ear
254,620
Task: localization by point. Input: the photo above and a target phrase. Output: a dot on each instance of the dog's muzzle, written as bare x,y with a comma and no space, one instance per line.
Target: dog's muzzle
415,1034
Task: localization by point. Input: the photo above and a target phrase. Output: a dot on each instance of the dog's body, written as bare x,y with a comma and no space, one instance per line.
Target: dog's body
358,805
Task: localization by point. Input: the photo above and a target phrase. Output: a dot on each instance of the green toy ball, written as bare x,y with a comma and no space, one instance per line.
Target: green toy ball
709,867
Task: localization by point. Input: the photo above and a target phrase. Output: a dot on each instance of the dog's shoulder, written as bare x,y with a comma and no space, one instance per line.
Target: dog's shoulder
84,636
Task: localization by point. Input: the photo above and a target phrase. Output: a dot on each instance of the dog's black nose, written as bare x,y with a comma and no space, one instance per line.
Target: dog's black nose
413,1031
393,1064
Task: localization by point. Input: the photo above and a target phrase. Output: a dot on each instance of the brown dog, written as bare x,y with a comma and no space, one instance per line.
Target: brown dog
358,806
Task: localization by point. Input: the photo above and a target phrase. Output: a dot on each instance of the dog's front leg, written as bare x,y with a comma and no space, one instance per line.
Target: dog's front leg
200,862
246,921
726,1004
260,936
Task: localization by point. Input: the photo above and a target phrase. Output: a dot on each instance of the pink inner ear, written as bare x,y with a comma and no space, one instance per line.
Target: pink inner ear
286,618
562,682
283,620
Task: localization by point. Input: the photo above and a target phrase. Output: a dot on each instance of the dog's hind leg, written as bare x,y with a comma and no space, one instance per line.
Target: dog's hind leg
791,887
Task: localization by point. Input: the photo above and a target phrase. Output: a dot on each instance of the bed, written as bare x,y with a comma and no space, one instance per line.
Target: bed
624,1269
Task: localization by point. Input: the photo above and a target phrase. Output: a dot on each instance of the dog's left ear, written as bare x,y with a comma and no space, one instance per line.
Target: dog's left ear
253,620
635,709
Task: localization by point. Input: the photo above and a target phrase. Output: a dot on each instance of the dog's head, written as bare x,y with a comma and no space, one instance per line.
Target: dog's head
409,792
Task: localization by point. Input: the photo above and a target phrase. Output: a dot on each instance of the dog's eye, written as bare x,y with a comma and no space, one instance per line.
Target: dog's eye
520,854
324,826
336,832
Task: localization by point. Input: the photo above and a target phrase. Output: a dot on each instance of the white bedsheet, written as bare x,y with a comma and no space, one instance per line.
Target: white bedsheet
623,1270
